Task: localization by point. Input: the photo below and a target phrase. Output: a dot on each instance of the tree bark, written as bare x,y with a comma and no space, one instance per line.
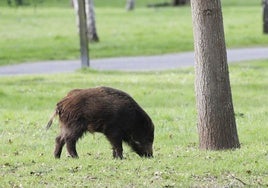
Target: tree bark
83,34
216,121
91,21
265,16
130,5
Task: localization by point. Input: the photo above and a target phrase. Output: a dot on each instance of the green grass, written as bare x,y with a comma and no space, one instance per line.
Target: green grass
48,32
26,149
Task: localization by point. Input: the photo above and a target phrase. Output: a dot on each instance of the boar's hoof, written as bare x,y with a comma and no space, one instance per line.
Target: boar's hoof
117,155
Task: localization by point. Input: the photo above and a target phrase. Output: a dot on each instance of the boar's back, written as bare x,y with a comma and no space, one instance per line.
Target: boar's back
100,107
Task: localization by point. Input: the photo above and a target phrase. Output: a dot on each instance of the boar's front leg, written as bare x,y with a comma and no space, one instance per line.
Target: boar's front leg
116,142
118,150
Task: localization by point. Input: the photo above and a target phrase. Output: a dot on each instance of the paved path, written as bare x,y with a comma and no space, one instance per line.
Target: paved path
144,63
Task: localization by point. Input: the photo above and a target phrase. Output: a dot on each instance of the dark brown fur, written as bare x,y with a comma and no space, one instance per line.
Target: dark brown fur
106,110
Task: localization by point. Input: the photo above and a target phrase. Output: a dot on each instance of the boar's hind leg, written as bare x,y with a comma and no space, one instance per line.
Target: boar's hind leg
72,135
71,146
59,145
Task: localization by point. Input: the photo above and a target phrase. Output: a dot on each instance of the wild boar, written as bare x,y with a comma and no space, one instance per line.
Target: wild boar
106,110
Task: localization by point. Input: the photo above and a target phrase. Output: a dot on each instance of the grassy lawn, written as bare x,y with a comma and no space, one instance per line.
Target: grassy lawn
49,32
26,148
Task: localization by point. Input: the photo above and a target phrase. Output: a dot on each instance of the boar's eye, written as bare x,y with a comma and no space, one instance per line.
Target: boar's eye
135,141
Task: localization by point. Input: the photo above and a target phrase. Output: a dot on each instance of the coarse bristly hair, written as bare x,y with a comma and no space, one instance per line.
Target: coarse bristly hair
106,110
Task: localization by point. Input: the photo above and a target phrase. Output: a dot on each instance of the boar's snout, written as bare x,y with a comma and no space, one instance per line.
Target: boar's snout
148,155
147,151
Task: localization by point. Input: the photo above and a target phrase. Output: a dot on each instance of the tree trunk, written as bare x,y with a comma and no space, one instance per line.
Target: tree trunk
90,19
83,33
179,2
130,5
75,5
265,16
19,2
216,121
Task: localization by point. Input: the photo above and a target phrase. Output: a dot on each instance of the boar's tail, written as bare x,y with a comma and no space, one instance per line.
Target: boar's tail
51,119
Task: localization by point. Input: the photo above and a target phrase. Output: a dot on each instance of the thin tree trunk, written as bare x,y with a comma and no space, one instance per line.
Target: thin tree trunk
90,17
130,5
216,121
83,33
91,21
178,2
265,16
75,5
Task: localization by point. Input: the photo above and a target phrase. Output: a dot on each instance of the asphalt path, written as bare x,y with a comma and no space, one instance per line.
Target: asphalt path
142,63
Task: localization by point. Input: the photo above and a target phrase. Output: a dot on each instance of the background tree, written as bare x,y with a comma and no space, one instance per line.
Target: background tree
17,2
265,16
130,5
179,2
90,19
216,121
83,33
